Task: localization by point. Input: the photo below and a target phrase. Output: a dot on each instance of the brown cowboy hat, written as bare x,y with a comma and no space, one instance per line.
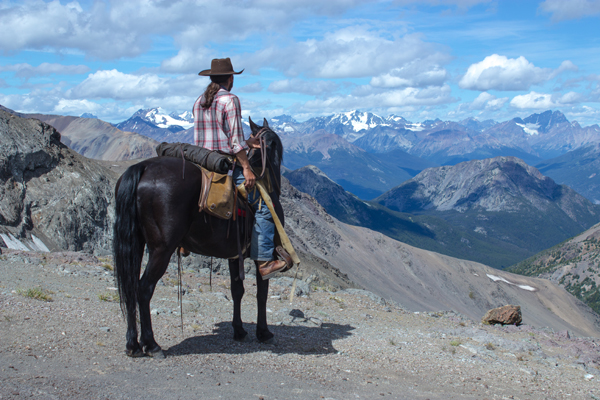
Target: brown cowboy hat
220,66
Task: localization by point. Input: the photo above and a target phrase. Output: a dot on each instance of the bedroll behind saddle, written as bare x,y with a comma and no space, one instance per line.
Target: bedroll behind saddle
211,160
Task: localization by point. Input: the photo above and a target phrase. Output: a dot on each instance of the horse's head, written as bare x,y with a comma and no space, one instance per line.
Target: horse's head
274,152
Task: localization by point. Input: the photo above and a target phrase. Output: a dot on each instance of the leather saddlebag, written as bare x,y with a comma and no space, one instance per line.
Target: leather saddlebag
217,197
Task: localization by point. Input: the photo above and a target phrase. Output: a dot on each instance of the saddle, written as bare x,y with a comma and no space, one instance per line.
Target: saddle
217,196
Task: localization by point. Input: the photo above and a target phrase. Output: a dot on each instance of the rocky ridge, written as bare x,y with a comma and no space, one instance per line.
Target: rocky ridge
96,139
50,196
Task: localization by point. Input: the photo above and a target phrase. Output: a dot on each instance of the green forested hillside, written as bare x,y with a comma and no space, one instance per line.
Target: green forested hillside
573,264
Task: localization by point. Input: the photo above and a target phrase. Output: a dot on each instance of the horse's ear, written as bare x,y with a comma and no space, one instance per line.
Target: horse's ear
265,123
253,126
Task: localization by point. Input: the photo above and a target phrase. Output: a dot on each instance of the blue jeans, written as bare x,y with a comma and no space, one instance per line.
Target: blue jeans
263,231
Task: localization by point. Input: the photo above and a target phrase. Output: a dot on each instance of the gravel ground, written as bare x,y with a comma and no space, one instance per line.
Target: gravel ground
347,344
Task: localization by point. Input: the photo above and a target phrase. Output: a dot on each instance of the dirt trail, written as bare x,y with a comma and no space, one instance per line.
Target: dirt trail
337,345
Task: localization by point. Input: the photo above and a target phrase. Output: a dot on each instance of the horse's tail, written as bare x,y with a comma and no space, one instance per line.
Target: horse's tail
128,242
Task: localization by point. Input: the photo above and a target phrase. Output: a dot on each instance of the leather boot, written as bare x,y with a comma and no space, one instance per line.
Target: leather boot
270,268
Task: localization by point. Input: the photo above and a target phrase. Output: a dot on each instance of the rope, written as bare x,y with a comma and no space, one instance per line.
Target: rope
180,291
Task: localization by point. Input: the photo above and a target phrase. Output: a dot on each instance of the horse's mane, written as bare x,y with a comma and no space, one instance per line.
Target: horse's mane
273,139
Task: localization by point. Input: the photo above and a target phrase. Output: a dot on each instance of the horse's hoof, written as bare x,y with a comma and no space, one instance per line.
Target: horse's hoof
157,353
245,339
135,354
271,342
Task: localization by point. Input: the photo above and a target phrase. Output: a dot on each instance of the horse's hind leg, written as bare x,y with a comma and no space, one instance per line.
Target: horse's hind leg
155,269
237,292
132,347
262,291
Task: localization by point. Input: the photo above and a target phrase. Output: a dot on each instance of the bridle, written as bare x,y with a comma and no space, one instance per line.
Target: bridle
263,155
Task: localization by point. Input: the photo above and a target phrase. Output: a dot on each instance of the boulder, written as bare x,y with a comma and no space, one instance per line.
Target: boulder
506,315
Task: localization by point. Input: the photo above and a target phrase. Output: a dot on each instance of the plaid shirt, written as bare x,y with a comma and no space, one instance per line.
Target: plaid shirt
219,127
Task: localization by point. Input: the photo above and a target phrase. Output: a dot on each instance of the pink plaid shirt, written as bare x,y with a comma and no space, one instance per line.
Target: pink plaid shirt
219,127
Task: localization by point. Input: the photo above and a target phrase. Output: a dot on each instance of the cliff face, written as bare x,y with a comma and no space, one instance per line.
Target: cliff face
50,196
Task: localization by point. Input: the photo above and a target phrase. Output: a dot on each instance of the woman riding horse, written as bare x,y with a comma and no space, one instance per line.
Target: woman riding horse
157,208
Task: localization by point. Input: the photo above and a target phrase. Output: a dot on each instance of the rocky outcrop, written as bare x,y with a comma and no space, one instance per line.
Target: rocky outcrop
50,196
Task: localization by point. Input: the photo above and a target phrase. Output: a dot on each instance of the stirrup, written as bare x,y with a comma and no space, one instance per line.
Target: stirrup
286,257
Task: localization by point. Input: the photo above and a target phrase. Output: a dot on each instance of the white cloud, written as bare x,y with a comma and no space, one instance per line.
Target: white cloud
417,73
114,29
496,104
497,72
389,99
501,73
251,88
566,65
113,84
462,4
313,87
27,70
488,102
534,100
352,53
41,25
119,86
572,9
76,107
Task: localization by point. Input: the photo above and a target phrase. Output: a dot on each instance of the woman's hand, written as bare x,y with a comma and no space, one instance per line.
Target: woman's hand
253,143
250,178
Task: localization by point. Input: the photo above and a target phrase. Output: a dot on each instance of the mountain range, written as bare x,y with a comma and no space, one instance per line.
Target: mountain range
368,154
495,211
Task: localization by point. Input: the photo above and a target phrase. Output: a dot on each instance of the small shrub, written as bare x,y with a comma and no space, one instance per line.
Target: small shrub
109,296
36,293
338,300
455,342
108,267
490,346
471,295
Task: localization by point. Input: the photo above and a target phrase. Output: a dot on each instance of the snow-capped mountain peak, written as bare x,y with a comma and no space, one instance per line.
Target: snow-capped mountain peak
159,117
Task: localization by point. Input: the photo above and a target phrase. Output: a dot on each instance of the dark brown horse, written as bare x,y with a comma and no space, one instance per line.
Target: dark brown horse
157,208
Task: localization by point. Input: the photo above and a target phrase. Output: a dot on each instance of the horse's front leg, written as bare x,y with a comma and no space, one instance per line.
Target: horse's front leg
237,292
262,291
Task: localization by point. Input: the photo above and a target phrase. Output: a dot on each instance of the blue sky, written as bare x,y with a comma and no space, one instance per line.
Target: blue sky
447,59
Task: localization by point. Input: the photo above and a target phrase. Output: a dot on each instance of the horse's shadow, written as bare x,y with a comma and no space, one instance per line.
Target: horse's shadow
290,339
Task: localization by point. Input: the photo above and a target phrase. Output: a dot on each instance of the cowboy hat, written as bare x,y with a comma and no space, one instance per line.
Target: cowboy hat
220,66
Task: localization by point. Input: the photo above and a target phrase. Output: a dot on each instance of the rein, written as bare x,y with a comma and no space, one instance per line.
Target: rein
263,150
